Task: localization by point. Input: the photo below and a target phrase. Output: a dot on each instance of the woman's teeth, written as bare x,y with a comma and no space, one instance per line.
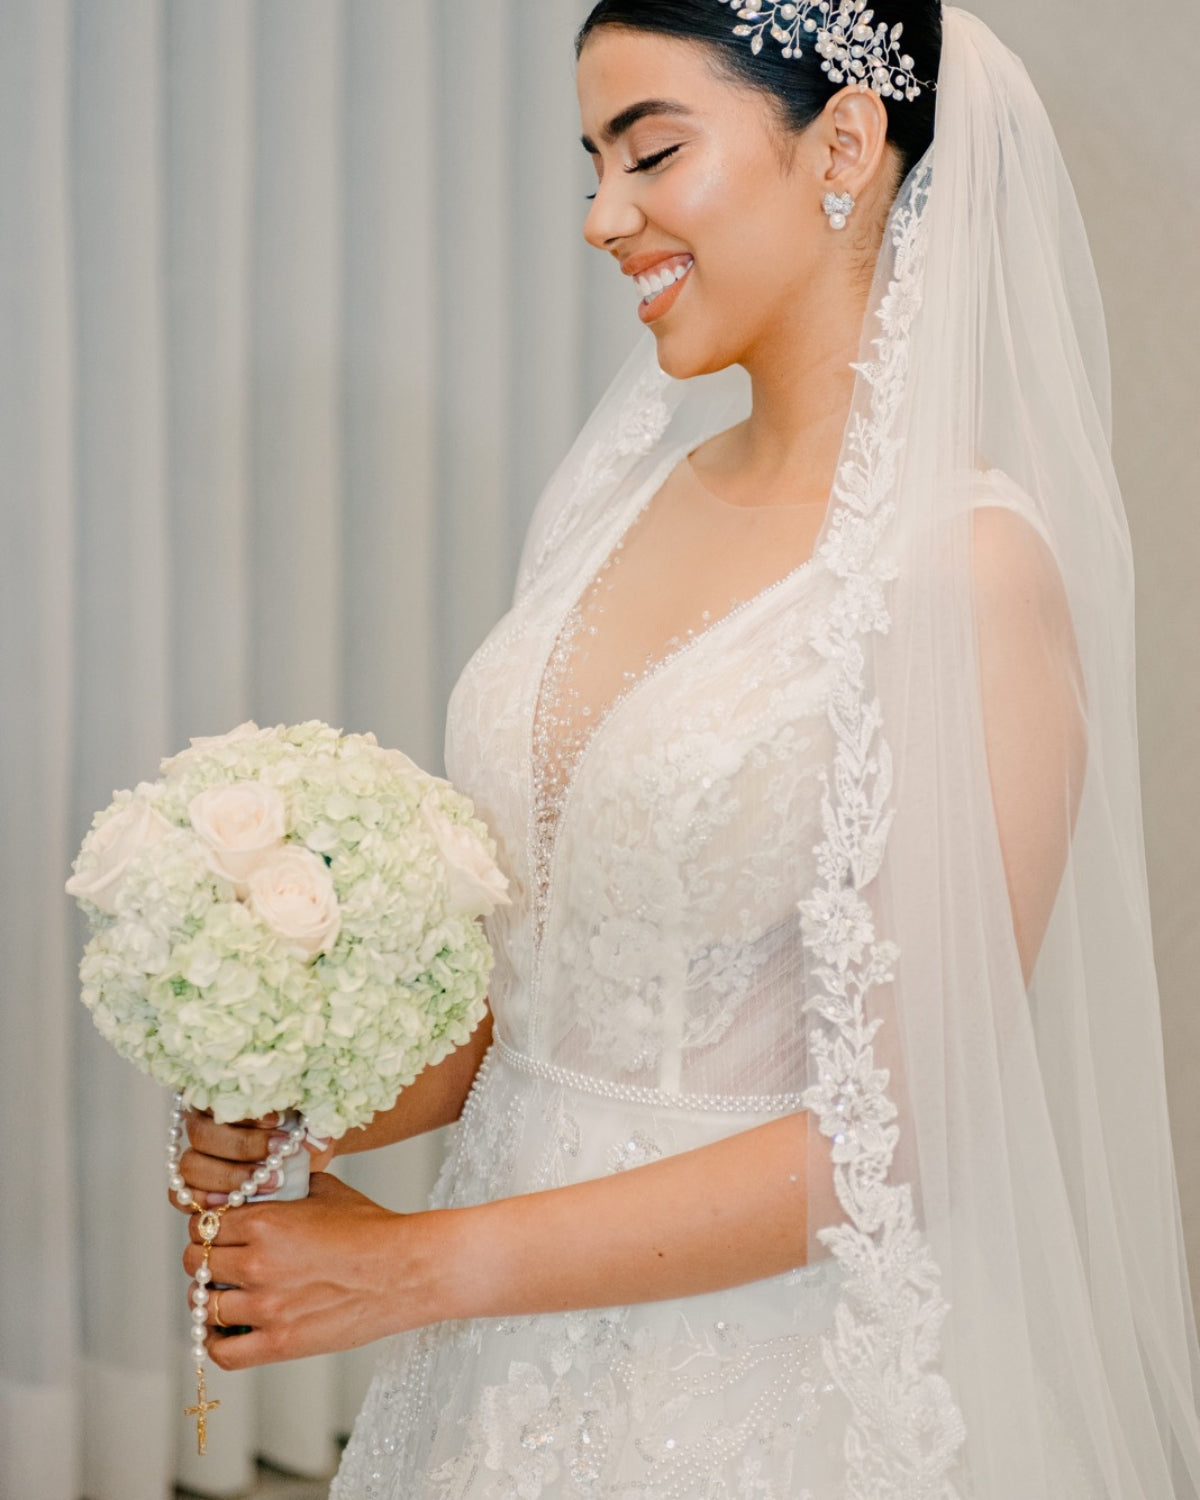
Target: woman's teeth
659,280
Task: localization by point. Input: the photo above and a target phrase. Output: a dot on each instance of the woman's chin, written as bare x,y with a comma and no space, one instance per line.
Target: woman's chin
682,360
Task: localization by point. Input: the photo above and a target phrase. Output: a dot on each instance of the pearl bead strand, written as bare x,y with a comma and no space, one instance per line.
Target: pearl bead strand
210,1222
251,1186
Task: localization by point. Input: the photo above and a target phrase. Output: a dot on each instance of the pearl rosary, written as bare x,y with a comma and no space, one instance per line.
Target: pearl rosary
209,1225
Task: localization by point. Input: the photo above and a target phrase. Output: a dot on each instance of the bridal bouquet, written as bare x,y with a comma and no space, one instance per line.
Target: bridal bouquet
285,920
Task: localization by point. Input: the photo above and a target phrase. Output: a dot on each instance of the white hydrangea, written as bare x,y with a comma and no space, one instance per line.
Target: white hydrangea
205,911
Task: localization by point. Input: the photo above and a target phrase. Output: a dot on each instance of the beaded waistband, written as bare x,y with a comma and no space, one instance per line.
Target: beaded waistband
632,1093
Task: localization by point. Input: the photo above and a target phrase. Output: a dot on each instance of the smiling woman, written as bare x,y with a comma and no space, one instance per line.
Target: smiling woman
796,1157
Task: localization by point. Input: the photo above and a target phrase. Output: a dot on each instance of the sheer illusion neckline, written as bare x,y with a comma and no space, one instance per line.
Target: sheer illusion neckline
564,729
687,464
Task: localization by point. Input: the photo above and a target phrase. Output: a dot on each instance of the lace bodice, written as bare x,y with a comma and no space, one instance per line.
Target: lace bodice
647,757
644,735
687,560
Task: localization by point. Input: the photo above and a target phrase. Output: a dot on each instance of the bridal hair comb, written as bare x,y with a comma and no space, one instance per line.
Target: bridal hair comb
853,50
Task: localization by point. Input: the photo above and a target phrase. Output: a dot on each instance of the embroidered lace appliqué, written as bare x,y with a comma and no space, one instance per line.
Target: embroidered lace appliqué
639,426
564,723
566,720
556,1424
906,1430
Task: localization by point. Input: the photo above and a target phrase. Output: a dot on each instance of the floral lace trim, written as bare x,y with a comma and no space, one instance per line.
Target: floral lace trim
905,1429
641,422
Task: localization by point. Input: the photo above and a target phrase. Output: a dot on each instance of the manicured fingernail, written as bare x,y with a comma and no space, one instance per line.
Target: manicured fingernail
317,1142
215,1200
277,1141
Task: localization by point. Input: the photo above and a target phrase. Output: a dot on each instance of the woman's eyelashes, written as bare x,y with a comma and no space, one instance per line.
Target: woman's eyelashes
647,163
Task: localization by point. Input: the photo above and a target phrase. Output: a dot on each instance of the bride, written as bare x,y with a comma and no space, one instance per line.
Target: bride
818,1146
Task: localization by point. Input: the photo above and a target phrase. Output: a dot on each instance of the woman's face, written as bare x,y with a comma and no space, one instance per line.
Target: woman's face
712,210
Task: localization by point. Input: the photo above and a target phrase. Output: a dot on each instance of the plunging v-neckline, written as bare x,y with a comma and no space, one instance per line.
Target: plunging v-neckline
555,767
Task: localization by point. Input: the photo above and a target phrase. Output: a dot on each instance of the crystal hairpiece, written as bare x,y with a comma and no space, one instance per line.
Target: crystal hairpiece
853,50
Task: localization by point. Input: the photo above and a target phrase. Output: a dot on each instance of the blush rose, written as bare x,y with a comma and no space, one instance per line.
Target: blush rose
240,824
475,884
112,846
292,893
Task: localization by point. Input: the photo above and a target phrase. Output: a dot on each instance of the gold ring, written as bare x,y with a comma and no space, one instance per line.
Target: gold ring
216,1307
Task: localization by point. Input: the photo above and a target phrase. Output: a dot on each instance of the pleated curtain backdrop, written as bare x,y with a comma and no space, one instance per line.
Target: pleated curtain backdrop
295,317
281,281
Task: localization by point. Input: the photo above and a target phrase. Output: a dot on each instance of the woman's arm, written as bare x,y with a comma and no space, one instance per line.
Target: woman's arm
1034,715
336,1270
219,1155
434,1098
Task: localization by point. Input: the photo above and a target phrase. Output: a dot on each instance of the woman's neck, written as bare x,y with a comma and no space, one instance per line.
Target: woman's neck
802,382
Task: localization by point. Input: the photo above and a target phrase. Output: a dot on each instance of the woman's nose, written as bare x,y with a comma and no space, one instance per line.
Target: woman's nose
614,214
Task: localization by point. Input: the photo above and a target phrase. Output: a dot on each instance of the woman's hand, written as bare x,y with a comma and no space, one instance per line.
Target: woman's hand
220,1156
335,1270
331,1271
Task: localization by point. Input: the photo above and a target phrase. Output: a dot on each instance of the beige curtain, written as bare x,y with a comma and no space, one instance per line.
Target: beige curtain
295,319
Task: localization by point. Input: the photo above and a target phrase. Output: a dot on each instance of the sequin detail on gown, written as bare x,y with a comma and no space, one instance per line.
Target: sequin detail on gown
658,843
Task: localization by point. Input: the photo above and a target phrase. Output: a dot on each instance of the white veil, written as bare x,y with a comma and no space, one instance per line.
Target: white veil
1015,1322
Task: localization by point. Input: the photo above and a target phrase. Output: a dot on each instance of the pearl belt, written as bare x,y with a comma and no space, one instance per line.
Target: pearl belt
632,1093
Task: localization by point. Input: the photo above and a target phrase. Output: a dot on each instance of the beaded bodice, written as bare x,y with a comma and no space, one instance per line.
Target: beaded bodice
647,757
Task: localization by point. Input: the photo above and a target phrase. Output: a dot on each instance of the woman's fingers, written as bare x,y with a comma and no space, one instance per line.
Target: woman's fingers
243,1145
320,1152
243,1351
249,1142
208,1174
222,1156
235,1266
308,1277
226,1306
236,1229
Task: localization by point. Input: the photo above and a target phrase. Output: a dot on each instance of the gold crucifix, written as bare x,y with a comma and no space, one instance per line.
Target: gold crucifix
209,1226
201,1410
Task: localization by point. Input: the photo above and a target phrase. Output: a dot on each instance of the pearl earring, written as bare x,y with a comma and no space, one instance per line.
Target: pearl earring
838,206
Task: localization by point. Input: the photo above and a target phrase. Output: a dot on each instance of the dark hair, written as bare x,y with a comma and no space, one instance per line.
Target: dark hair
797,85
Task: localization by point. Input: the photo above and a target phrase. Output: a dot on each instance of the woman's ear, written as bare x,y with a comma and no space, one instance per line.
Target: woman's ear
855,139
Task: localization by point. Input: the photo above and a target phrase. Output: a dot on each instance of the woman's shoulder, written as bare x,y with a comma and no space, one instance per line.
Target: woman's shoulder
994,489
1016,571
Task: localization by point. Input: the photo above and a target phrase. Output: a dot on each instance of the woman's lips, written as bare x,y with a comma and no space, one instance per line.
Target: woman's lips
661,286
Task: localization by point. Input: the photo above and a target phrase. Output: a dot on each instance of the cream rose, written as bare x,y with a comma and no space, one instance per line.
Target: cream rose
240,824
201,744
292,893
405,766
476,885
111,847
247,731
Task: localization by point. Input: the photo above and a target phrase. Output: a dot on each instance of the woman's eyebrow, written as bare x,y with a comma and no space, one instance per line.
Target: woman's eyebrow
628,118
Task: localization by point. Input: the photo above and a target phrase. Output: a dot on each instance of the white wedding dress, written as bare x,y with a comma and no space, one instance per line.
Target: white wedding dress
647,1001
647,748
746,780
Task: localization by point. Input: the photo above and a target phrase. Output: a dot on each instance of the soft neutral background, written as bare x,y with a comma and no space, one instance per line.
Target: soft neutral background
294,320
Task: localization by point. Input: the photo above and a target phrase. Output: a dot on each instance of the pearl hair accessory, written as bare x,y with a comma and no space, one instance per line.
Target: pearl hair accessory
839,207
209,1226
854,50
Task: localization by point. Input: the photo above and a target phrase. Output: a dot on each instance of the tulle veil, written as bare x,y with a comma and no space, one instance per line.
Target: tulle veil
1015,1318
